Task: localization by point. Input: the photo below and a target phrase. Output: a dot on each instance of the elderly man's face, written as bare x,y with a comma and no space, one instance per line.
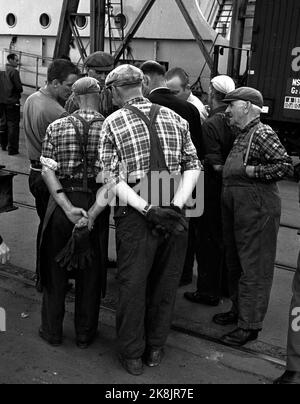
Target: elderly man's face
237,112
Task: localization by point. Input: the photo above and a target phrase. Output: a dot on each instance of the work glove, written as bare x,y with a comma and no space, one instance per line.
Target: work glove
78,254
166,221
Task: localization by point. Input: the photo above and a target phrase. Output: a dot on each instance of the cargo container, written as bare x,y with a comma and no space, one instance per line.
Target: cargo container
275,66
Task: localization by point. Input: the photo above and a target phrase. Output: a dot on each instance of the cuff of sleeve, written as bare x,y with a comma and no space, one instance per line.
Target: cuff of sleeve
49,163
257,172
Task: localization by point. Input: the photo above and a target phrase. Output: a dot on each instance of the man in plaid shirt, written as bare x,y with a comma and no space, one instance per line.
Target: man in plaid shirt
251,214
68,158
138,141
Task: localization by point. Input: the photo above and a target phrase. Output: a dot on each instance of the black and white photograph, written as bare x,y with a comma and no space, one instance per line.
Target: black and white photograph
149,195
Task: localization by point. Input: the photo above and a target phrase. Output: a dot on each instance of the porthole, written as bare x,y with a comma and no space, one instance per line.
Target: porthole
120,21
45,20
11,20
81,21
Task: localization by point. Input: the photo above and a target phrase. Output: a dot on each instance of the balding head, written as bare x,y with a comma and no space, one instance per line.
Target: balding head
154,75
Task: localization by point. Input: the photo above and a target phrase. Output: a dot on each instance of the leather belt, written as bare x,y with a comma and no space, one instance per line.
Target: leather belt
36,165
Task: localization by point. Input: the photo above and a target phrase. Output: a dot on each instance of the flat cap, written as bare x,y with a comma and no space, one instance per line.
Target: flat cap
101,61
246,94
124,75
86,85
223,84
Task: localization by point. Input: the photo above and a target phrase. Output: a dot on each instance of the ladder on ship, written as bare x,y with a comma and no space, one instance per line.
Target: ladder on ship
116,23
223,19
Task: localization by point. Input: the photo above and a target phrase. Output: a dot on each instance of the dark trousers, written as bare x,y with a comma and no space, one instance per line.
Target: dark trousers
55,279
194,249
251,220
293,350
41,194
11,130
149,270
206,243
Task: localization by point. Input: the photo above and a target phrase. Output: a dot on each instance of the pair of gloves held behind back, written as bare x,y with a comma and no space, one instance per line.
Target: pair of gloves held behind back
78,253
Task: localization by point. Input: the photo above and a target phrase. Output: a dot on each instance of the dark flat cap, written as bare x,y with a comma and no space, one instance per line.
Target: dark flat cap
101,61
124,75
246,94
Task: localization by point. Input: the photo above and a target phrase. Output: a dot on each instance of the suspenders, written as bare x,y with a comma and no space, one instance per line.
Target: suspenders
83,142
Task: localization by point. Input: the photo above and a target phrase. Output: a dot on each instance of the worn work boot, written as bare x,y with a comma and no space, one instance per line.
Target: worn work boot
132,366
154,357
229,318
55,342
239,337
202,298
289,377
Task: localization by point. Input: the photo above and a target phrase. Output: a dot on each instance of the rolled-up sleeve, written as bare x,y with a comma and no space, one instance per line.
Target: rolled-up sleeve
277,164
190,159
49,156
107,163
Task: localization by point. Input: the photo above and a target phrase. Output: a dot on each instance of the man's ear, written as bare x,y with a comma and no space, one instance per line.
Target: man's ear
146,80
55,83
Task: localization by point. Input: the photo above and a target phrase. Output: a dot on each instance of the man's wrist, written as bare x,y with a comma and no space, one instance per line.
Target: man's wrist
146,209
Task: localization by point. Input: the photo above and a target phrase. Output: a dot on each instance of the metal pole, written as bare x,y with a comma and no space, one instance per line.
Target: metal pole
195,32
64,35
133,30
97,25
237,37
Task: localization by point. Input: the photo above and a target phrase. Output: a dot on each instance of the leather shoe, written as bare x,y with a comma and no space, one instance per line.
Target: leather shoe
55,342
202,298
85,343
185,282
132,366
239,337
289,377
154,357
229,318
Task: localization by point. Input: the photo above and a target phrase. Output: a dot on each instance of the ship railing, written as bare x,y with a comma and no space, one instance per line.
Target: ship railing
33,66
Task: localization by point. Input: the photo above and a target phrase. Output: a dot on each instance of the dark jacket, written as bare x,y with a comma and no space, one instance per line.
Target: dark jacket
164,97
218,137
11,86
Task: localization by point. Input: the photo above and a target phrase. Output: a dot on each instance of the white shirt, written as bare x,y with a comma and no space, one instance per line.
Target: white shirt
199,105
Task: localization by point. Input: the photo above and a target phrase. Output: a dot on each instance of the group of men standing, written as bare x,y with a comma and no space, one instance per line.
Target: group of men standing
83,161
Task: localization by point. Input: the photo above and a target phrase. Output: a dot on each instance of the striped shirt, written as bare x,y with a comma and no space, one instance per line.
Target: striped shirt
125,143
61,149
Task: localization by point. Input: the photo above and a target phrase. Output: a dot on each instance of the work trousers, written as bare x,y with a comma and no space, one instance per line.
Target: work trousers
55,279
251,220
206,242
41,195
149,270
11,129
293,349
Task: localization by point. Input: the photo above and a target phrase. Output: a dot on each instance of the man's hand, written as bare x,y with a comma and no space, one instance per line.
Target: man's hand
250,171
4,254
76,214
167,220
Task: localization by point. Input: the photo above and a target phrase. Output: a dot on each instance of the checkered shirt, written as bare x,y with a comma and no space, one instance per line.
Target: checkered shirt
125,142
267,154
62,148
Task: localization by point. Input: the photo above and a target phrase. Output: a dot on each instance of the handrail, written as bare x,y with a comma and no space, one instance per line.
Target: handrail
36,71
